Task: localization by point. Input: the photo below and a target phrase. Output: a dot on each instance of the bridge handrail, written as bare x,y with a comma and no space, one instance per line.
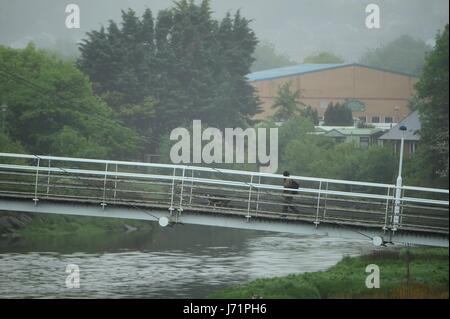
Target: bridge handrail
197,168
224,171
426,189
187,179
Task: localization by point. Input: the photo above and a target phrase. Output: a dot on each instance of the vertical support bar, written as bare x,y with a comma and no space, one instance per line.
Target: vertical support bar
103,203
35,199
115,185
318,205
401,209
48,177
398,187
326,198
257,196
192,184
180,208
387,209
249,198
173,191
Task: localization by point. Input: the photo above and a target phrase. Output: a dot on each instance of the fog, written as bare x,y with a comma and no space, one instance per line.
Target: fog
296,27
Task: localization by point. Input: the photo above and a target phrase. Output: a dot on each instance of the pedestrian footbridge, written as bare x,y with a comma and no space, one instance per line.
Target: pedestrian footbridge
180,194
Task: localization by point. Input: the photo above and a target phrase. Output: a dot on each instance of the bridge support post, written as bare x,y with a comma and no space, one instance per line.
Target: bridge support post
387,209
191,187
325,204
35,199
257,196
103,203
398,195
180,208
249,199
115,185
398,185
316,222
48,177
171,209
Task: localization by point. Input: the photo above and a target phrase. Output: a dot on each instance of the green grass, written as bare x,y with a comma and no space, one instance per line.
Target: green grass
69,234
58,225
428,278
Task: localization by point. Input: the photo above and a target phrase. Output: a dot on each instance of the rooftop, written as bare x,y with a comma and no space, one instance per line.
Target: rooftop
412,123
306,68
347,130
355,131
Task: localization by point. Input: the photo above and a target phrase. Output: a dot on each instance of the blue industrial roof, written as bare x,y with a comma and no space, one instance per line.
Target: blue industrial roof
305,68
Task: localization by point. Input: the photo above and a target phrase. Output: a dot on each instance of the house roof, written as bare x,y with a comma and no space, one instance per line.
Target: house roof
353,131
346,130
307,68
412,123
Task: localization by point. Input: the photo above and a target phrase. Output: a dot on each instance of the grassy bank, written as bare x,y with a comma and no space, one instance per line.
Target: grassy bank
59,225
404,273
61,233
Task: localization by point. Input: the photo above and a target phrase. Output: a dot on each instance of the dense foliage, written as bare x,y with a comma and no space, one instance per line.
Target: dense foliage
267,57
161,73
306,154
287,104
404,54
433,106
323,58
51,109
338,115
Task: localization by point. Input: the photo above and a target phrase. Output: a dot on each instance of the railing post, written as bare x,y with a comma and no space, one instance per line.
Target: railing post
192,184
325,207
48,178
257,196
180,208
387,209
103,203
318,205
401,209
249,198
115,185
35,199
398,185
173,191
397,204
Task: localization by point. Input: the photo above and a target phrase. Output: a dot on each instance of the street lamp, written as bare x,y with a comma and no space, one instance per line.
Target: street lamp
4,107
398,191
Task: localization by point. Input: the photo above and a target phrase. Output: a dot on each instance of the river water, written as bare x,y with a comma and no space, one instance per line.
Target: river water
179,262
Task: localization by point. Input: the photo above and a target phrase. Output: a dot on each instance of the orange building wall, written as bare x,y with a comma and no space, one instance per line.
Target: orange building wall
381,91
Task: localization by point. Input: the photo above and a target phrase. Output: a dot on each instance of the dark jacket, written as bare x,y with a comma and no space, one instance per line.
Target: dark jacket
289,183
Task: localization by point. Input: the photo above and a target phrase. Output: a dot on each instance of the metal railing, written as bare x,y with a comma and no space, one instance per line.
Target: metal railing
221,191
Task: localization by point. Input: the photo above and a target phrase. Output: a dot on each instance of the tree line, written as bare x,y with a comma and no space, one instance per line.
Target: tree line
135,81
158,73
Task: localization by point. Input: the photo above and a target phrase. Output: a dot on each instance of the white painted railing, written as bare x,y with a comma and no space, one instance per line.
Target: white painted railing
224,191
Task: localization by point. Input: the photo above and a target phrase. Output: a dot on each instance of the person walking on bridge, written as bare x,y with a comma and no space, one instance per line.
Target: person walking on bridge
288,184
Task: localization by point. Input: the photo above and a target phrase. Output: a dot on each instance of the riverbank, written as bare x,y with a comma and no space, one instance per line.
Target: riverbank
404,273
55,231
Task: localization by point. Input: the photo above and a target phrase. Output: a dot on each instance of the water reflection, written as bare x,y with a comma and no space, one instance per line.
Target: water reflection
189,262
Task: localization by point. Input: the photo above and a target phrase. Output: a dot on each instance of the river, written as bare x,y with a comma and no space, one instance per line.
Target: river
180,262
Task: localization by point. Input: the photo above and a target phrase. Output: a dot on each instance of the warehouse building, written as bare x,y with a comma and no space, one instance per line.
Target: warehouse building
374,95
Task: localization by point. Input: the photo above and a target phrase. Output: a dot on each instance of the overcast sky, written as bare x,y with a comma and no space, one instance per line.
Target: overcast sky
296,27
